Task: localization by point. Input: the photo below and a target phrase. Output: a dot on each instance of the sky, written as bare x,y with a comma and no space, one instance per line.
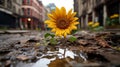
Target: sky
68,4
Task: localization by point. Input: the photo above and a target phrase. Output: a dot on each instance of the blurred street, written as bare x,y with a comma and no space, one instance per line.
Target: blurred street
26,41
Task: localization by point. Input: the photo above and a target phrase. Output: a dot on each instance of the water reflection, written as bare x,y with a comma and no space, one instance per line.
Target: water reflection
43,62
67,53
60,55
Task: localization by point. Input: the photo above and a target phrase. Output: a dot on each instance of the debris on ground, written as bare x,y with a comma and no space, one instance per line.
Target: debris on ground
90,49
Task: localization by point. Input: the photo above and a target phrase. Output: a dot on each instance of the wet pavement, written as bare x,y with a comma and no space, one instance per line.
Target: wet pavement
31,50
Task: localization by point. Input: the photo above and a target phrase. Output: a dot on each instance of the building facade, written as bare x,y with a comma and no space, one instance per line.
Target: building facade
32,17
17,12
45,17
95,11
9,12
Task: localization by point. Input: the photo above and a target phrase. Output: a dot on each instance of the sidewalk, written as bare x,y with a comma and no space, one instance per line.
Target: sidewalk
14,31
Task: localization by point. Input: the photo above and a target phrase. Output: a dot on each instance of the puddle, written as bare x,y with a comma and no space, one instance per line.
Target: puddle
60,57
21,64
43,62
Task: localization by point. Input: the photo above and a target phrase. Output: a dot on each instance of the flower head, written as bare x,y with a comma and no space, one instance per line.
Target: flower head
90,23
114,16
61,22
95,24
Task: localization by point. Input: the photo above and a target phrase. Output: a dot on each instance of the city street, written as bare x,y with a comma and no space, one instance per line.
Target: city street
59,33
28,49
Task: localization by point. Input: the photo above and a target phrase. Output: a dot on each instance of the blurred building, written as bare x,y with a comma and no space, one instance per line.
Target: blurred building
77,9
10,12
32,17
45,17
95,10
17,12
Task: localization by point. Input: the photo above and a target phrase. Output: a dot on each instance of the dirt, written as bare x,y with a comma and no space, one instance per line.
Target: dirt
90,49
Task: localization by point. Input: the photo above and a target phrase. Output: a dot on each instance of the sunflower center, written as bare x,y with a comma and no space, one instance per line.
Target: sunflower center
62,24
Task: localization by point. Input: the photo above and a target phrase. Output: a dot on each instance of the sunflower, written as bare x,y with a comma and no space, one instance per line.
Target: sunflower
96,24
90,23
61,22
114,16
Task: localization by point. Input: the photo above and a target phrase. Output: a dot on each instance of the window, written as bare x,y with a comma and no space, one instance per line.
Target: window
41,17
23,11
28,1
9,4
19,11
23,2
28,11
14,9
1,2
40,10
84,1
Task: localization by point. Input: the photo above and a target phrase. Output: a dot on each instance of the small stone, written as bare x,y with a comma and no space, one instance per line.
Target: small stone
22,57
83,42
8,63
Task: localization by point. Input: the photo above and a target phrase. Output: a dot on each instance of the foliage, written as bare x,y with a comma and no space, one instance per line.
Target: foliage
95,26
3,28
112,20
48,34
108,21
51,38
99,28
74,31
72,39
53,41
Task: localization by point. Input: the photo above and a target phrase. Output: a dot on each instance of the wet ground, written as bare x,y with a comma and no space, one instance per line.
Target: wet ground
31,50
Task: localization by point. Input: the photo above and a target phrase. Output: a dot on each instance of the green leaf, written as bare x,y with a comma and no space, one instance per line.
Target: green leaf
52,35
53,41
99,28
73,31
108,21
72,39
48,34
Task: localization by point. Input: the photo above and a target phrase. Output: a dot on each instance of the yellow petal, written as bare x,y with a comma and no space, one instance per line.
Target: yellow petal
48,21
69,13
116,15
90,23
51,25
54,14
58,33
51,16
75,23
73,27
67,31
65,34
57,12
53,30
74,19
72,15
63,11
